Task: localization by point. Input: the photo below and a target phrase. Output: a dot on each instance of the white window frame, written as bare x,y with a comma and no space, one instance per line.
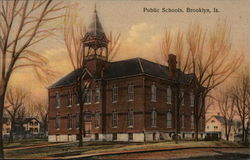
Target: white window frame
169,95
114,94
153,92
130,92
130,118
169,119
114,119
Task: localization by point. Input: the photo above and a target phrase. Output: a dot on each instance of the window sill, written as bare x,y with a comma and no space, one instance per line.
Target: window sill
97,102
70,105
78,104
114,127
168,102
57,107
153,101
96,127
69,128
130,126
58,129
153,126
130,100
114,102
87,103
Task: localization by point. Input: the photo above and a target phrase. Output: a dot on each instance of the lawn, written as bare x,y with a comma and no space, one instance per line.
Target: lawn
71,149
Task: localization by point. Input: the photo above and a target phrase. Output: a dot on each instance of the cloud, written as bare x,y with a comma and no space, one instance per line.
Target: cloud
141,40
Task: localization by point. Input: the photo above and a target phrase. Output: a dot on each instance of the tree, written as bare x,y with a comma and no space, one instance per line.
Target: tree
15,107
208,57
227,109
22,25
74,30
241,93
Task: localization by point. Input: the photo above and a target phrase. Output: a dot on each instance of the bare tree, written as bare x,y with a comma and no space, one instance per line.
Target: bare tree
15,107
74,30
22,25
226,105
241,93
208,57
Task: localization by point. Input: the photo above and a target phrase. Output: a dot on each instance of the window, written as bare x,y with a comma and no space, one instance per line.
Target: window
57,122
169,120
87,96
69,121
96,136
114,119
192,99
97,120
36,123
183,135
153,92
130,92
115,94
130,118
207,127
77,120
130,136
57,100
154,118
192,121
31,130
183,121
69,98
182,98
169,95
97,95
87,116
36,130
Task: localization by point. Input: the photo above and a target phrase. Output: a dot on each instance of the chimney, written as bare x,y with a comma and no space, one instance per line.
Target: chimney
172,66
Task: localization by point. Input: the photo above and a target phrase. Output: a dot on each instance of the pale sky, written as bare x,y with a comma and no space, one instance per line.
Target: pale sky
141,32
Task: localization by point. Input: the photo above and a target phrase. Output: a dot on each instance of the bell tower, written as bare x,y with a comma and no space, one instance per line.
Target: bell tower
95,41
95,45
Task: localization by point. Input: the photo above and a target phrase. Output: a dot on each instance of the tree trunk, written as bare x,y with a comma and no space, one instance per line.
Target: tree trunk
80,125
196,129
1,125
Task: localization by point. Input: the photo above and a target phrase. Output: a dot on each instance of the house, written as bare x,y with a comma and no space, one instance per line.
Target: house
215,128
31,126
128,100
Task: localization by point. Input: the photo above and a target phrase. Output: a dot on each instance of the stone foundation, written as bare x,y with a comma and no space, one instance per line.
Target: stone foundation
124,137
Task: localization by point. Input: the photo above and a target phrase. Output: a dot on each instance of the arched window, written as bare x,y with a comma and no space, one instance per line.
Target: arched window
169,120
191,99
97,119
154,118
153,92
70,98
183,121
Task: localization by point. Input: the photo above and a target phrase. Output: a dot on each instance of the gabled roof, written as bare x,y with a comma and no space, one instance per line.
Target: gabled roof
126,68
26,120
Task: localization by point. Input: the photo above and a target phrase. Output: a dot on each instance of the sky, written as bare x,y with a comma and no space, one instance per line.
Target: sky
141,32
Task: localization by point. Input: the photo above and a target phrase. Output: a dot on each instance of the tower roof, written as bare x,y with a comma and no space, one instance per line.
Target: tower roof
95,26
95,35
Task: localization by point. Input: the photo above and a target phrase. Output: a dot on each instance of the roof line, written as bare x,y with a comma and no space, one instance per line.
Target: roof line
142,70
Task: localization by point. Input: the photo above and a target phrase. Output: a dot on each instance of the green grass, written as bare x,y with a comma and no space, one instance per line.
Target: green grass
71,149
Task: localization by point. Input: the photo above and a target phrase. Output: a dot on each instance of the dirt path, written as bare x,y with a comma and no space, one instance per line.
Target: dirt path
35,146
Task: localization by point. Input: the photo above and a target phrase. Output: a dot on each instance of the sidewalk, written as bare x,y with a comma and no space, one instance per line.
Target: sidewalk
89,155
